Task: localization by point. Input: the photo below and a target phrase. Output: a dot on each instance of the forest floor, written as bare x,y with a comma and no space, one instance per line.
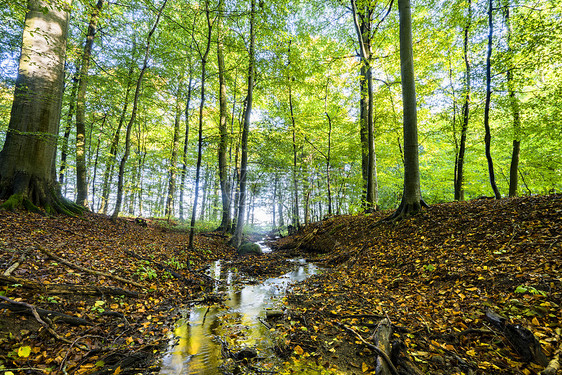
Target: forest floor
434,276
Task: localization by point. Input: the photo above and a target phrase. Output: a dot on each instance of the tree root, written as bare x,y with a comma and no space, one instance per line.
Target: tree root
90,271
38,318
406,210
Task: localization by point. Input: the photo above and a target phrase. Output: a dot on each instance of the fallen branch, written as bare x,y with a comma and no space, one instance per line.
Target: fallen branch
90,271
17,263
522,339
376,349
66,288
46,314
37,317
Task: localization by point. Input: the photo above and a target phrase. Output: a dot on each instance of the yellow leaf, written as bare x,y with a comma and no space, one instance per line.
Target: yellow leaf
535,321
298,350
364,367
24,351
117,371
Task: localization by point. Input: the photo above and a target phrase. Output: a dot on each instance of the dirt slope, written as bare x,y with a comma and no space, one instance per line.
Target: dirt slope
434,276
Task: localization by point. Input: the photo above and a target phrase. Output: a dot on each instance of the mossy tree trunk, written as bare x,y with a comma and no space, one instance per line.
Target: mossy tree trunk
27,161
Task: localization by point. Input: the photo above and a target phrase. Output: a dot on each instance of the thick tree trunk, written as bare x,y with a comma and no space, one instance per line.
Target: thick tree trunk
133,116
223,143
412,201
488,136
204,56
459,175
237,237
27,160
81,179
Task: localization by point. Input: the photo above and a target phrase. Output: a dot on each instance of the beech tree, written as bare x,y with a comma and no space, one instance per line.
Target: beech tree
412,201
27,160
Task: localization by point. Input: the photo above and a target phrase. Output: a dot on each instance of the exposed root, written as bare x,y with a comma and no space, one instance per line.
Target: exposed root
406,210
34,194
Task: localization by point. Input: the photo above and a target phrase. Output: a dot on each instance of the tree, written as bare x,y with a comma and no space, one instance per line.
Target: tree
223,167
27,160
237,237
488,136
134,115
459,164
204,55
412,201
81,180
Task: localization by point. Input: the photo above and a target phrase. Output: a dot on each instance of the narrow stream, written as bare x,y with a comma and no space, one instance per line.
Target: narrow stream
239,322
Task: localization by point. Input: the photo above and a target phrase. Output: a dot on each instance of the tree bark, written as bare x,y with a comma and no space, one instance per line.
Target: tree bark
223,143
488,136
27,160
514,103
459,175
237,237
204,56
68,127
174,157
81,178
412,201
133,116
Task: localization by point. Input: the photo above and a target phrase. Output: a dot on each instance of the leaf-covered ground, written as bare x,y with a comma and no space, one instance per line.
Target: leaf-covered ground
434,276
124,332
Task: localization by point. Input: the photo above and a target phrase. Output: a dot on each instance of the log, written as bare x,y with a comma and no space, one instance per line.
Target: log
381,339
522,339
66,288
90,271
402,359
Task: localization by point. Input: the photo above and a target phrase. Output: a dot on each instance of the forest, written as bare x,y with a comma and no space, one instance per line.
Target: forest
157,112
280,187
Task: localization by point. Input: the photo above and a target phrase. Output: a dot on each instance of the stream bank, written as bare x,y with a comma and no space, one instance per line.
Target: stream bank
435,276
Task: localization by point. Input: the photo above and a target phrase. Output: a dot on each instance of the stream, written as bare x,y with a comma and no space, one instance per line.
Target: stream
239,322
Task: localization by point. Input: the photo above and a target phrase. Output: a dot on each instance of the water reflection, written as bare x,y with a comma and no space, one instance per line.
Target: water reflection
195,348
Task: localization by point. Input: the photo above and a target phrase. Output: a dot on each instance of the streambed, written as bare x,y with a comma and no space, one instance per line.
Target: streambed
205,332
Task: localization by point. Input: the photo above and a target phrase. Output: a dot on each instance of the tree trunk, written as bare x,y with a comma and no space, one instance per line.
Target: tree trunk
201,108
296,220
96,161
27,160
112,157
412,201
237,237
223,167
488,136
174,157
81,179
68,127
205,193
185,144
133,116
514,103
459,176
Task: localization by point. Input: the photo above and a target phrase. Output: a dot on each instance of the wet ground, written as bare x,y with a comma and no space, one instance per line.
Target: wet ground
237,333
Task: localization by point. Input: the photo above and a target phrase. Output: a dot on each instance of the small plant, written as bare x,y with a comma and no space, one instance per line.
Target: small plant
429,268
145,272
98,307
530,290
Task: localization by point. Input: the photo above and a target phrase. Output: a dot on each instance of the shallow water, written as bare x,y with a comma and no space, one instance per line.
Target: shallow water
240,322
